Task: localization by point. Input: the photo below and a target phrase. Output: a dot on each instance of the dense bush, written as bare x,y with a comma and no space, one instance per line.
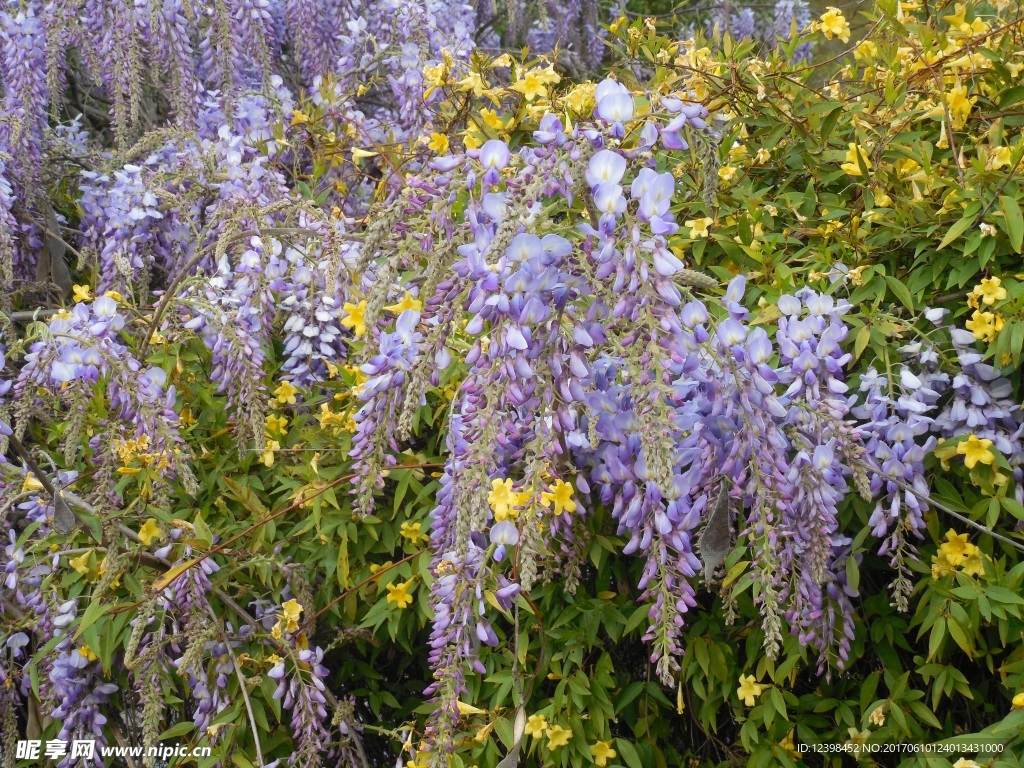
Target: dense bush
368,396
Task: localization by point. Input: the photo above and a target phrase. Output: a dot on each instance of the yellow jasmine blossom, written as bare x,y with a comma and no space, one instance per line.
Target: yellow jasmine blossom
376,568
81,293
355,317
290,612
1018,700
699,227
959,105
877,716
473,82
726,173
984,325
399,594
87,652
941,566
492,119
469,709
268,453
535,83
81,563
749,690
502,61
558,736
974,561
438,142
954,547
966,762
412,531
999,158
834,24
149,531
31,484
865,50
285,393
581,98
975,449
407,302
854,158
601,752
471,141
990,291
561,496
501,498
536,725
276,423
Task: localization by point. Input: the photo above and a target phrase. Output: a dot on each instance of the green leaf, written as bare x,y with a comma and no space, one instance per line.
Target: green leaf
955,231
900,291
92,614
628,753
1014,221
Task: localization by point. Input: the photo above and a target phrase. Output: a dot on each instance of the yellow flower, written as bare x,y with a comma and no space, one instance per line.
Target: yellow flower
492,119
990,291
87,652
82,293
854,157
469,709
473,82
834,24
975,449
438,142
561,496
601,752
999,158
749,690
536,725
954,547
699,227
31,484
501,498
974,561
877,716
865,50
726,173
290,612
984,325
285,393
268,453
399,594
941,566
966,762
581,98
412,531
81,563
407,302
558,736
959,105
471,140
882,200
149,531
533,84
276,423
1018,700
355,317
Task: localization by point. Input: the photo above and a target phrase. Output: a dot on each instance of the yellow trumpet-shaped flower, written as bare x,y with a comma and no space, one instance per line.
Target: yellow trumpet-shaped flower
975,449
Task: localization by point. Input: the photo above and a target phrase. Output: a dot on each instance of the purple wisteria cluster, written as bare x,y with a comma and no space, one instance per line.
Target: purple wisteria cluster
770,24
595,376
